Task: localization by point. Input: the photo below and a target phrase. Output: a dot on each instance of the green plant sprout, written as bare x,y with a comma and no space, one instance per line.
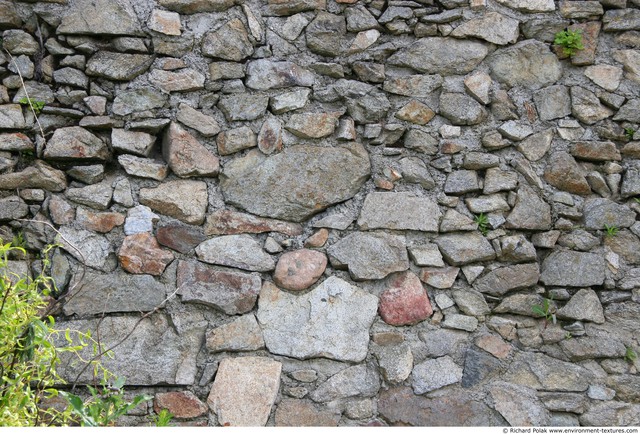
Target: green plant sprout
105,406
37,106
163,418
630,355
611,231
570,41
483,223
629,133
546,310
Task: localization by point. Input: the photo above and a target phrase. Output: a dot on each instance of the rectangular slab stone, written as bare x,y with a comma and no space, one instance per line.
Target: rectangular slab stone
399,211
505,279
460,249
153,354
569,268
244,391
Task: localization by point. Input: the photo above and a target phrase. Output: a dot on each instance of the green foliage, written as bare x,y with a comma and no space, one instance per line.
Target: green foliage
483,223
28,358
105,406
629,133
611,230
547,310
630,355
37,106
163,418
570,41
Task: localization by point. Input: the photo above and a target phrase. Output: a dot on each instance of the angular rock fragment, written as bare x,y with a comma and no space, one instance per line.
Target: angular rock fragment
563,172
519,405
186,156
404,301
583,306
407,212
239,251
177,81
39,175
353,381
263,74
141,254
75,143
244,390
132,142
434,374
242,334
312,125
511,66
192,118
232,292
504,279
185,200
460,249
101,17
370,255
143,167
118,66
294,185
587,269
492,27
229,42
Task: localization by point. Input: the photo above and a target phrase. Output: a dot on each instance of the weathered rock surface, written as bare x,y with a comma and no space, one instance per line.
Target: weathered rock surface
460,249
239,251
233,292
75,143
184,200
299,269
509,278
407,212
356,380
186,156
331,321
587,269
370,255
141,254
244,390
511,65
100,17
404,301
441,56
276,187
242,334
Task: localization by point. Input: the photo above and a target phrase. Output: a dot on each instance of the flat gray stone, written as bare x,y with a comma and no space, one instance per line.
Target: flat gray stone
592,347
243,106
139,357
184,80
601,212
434,374
184,200
567,268
460,249
356,380
39,175
143,167
12,208
370,255
11,117
97,196
365,103
519,405
192,118
138,100
245,390
530,211
413,85
263,74
541,372
509,278
395,362
230,291
239,251
461,109
101,17
492,27
512,66
229,42
293,185
399,211
242,334
289,101
132,142
118,66
89,248
98,293
552,102
444,56
186,156
325,34
331,321
196,6
612,413
583,306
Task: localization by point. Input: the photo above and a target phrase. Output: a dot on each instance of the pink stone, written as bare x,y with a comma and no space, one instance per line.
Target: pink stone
318,238
299,269
102,222
182,405
405,301
494,345
141,254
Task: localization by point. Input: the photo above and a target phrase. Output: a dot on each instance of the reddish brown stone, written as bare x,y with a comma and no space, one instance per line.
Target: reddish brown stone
295,412
416,112
102,222
590,32
632,149
299,269
596,151
180,237
564,173
186,156
494,345
451,148
226,222
318,238
270,136
404,301
141,254
399,406
182,405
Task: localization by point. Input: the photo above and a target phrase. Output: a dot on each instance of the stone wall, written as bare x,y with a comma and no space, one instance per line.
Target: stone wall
349,212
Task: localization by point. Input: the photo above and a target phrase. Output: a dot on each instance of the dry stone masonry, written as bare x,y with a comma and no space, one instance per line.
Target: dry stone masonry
344,212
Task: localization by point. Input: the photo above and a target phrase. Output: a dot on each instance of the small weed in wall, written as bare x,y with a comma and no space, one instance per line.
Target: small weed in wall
483,223
611,231
570,41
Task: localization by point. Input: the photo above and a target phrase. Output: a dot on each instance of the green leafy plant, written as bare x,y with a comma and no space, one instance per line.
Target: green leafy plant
105,405
629,133
163,418
37,106
547,310
630,355
28,357
483,223
611,230
570,41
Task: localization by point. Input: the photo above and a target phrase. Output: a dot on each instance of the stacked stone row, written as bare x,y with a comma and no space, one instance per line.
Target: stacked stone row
344,212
